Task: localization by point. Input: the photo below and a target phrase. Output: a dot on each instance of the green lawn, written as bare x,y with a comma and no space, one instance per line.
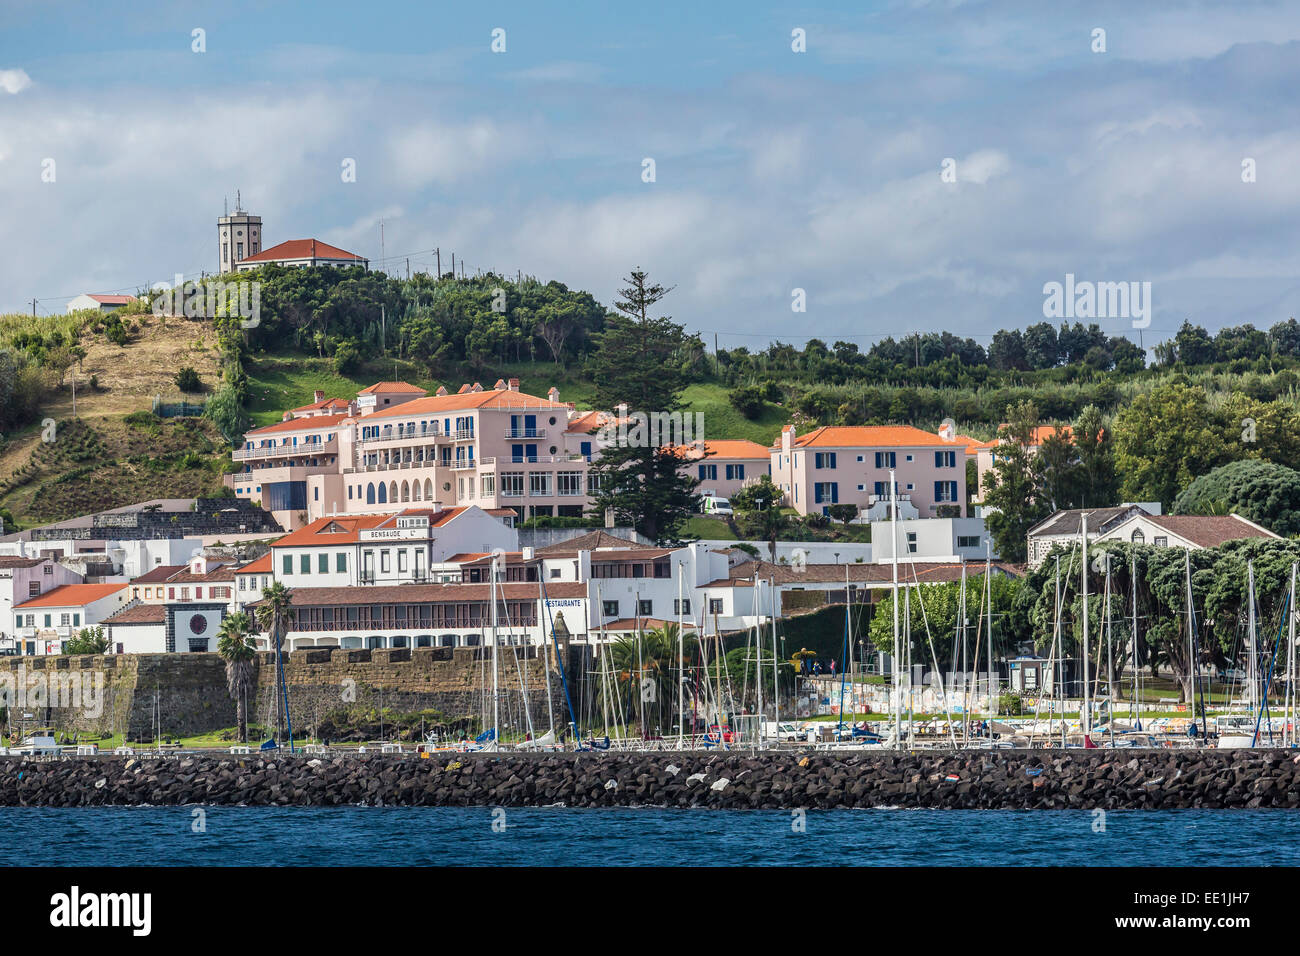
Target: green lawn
721,420
701,526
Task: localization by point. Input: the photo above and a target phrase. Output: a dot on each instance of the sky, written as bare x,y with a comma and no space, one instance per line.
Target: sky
917,166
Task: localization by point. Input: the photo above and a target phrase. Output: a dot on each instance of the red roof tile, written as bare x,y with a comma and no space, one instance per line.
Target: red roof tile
302,249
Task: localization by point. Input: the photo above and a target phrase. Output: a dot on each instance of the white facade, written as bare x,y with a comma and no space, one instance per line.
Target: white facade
932,539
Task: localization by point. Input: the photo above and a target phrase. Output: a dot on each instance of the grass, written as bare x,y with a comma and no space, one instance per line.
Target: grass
710,528
721,420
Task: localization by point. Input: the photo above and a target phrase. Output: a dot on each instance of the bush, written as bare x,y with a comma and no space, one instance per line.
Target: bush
747,399
187,380
347,358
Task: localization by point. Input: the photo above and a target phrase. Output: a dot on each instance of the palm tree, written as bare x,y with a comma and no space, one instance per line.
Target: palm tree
273,616
648,663
235,649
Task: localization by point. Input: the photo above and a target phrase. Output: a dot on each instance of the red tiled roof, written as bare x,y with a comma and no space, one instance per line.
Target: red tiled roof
10,561
299,425
392,387
110,299
492,398
870,436
261,566
72,595
346,529
643,624
1209,531
302,249
323,403
138,614
160,573
727,448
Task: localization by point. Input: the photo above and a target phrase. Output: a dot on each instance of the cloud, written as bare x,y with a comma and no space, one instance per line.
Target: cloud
14,81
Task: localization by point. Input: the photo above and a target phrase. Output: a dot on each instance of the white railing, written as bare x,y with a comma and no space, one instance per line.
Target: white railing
525,433
286,451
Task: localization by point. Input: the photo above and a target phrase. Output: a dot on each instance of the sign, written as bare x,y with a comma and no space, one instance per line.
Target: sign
395,534
564,602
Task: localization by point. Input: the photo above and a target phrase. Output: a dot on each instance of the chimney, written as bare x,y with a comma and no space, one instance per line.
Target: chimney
477,387
553,395
463,389
442,390
318,395
499,385
513,384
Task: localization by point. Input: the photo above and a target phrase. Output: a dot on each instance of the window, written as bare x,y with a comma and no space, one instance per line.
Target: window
682,607
385,562
826,492
862,458
886,459
569,483
33,588
735,472
1138,537
555,572
945,459
645,608
824,459
715,605
512,484
241,586
65,620
609,608
911,542
539,484
401,561
323,563
48,569
945,491
708,472
489,485
341,562
1160,541
304,564
968,541
287,564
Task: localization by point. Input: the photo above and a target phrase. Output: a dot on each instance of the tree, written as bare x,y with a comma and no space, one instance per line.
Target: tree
273,616
1097,483
187,380
1163,440
1013,498
646,669
238,652
843,512
758,512
89,640
1264,492
639,362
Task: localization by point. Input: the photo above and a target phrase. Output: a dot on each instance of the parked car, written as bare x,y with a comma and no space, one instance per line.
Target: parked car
718,507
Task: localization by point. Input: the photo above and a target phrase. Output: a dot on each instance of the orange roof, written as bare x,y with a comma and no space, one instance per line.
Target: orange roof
586,422
392,387
302,249
111,299
300,425
870,436
346,529
493,398
725,448
72,595
323,403
261,566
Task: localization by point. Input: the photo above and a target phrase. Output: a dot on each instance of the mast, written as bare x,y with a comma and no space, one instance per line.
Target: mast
1251,660
496,703
988,590
907,625
1110,658
681,663
1133,639
758,663
893,530
1288,709
776,673
1058,687
1087,709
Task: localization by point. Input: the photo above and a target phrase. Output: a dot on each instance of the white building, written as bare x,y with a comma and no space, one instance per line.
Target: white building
45,622
100,302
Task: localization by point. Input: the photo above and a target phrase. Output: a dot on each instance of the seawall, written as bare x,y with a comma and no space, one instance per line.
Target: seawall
1123,779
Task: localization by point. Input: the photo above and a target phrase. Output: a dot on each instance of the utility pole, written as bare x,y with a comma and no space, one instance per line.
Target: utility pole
438,252
408,268
33,308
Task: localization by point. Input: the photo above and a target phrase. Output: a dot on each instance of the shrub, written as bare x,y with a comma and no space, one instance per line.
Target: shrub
187,380
747,399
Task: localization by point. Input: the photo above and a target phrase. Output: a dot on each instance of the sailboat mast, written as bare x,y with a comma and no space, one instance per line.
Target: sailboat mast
776,674
1058,687
988,590
758,662
492,597
893,530
1289,708
1133,640
1110,658
681,663
1251,677
1087,709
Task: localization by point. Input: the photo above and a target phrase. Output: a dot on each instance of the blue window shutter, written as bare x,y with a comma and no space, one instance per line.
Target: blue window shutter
835,493
833,459
702,478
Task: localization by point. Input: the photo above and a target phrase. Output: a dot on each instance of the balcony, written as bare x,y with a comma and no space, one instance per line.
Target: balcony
463,465
527,460
525,433
286,451
403,434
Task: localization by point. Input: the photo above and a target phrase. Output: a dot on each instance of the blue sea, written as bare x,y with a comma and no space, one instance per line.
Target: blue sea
425,836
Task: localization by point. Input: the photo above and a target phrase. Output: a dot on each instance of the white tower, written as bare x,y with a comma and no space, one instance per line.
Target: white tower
239,236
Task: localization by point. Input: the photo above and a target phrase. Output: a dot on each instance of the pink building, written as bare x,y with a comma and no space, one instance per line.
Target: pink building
724,467
395,445
851,464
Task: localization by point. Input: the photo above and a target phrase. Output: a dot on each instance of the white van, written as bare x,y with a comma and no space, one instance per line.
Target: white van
713,505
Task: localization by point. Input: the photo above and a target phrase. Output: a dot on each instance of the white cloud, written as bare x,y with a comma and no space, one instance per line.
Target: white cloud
14,81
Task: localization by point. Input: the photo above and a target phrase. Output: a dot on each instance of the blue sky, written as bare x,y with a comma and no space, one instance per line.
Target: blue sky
775,170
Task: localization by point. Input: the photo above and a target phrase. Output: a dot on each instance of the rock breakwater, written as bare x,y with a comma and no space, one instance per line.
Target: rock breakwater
1125,779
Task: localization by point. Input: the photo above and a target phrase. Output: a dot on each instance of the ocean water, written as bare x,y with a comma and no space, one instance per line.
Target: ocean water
556,836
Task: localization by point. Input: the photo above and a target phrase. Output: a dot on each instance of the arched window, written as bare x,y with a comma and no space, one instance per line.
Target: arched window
415,490
1138,536
428,489
383,494
370,493
392,491
406,491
